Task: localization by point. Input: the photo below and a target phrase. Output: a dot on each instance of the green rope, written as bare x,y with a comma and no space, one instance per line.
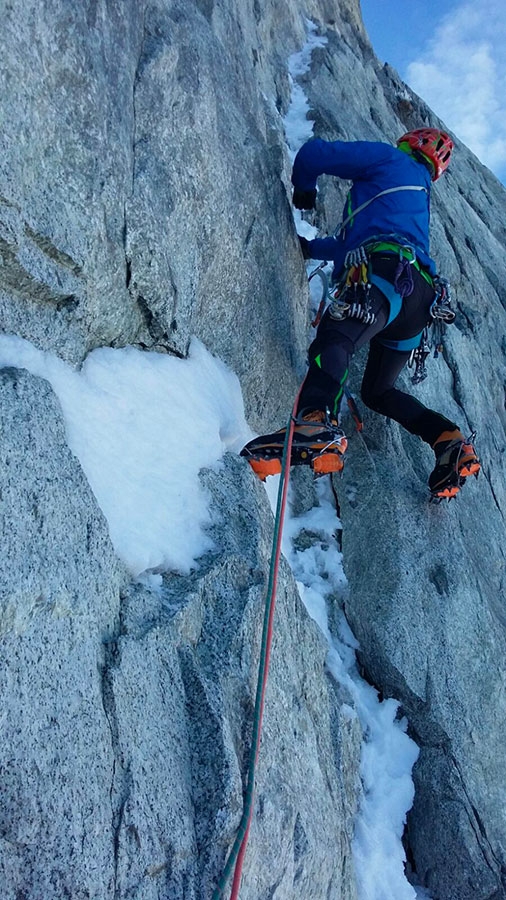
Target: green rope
262,669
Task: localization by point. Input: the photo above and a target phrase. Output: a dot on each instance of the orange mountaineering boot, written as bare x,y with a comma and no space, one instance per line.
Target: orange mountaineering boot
456,460
317,441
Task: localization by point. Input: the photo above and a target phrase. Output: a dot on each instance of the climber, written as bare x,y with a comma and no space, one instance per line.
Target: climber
386,286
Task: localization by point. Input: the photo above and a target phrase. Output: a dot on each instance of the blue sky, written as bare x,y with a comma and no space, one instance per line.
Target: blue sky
453,54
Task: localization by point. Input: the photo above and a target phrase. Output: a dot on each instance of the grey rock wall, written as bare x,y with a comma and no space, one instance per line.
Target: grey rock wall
143,201
59,606
141,198
126,713
144,198
66,170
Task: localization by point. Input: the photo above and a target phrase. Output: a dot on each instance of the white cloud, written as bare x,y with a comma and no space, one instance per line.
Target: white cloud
462,76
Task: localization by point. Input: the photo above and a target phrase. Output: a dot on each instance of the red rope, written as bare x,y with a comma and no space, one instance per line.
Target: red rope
266,642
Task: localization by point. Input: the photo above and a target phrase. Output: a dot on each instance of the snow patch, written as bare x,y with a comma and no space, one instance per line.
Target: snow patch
297,124
143,425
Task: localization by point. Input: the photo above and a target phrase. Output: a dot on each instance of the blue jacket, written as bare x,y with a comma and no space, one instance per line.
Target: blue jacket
372,167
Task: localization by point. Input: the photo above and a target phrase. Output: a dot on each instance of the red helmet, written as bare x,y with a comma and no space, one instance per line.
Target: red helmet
435,145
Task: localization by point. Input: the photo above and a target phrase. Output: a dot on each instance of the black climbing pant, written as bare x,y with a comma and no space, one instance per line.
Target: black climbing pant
337,340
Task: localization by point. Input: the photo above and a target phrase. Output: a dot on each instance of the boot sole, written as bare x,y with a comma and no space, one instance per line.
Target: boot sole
323,464
450,491
467,464
320,463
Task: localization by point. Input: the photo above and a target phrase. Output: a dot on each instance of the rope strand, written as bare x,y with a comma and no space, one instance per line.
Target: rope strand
236,858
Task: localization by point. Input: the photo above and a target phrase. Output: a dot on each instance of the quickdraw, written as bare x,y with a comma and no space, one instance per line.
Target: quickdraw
320,273
351,298
418,359
441,312
442,315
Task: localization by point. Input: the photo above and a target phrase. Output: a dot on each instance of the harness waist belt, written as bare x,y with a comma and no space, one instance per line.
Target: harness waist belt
405,252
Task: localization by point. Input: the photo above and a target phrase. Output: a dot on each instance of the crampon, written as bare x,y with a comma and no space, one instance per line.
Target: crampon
317,442
455,462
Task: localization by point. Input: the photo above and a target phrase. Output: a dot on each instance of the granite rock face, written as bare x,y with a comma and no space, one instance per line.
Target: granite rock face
126,713
141,196
144,198
60,602
185,662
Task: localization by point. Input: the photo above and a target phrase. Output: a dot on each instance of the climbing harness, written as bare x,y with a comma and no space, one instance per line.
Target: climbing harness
236,858
350,298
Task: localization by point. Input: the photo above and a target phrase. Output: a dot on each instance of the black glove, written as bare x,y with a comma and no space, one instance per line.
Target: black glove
304,199
304,246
